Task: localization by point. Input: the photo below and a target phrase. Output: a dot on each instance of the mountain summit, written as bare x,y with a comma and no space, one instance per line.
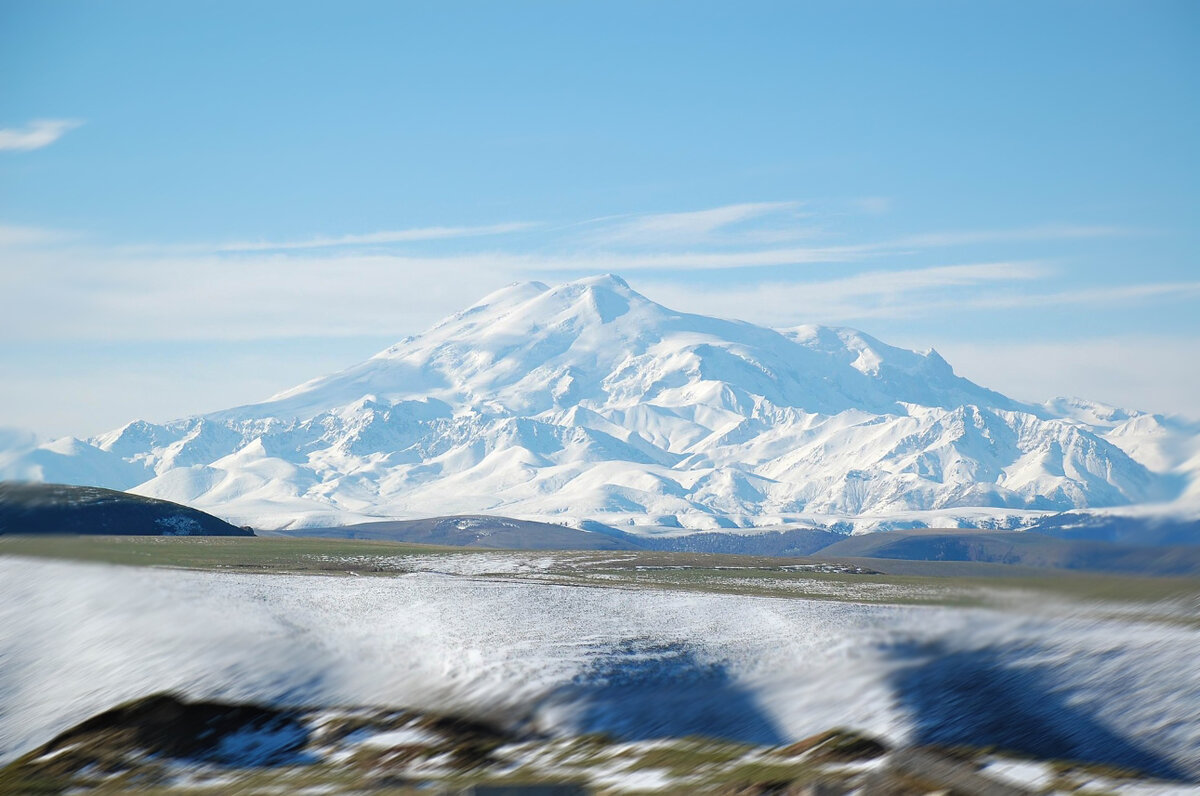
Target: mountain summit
597,343
589,400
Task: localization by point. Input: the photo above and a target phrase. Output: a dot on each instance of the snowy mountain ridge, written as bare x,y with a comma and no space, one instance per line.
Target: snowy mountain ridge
588,400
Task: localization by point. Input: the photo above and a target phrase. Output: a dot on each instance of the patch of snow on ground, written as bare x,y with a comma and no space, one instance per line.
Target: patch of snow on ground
76,639
408,736
650,779
1023,773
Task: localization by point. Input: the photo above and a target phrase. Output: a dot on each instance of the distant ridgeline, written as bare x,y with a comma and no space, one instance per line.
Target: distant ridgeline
1169,549
61,509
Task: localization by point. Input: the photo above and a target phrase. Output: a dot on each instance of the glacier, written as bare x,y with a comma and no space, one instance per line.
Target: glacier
589,401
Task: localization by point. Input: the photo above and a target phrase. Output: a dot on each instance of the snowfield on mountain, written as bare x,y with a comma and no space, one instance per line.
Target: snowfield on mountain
590,401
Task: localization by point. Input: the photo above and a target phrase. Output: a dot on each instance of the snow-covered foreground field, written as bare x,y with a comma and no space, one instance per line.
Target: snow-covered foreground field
1057,681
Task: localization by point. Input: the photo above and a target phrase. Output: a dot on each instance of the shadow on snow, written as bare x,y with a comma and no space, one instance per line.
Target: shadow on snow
977,698
637,691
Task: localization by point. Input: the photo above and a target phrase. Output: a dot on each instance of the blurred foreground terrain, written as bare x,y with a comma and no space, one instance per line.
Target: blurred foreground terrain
294,665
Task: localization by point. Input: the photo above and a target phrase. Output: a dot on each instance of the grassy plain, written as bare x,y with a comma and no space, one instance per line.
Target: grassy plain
858,580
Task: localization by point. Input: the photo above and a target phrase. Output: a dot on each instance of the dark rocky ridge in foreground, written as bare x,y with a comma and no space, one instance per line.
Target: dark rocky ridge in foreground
38,509
170,744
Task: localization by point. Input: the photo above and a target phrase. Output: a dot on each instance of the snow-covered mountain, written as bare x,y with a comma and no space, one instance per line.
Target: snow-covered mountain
588,400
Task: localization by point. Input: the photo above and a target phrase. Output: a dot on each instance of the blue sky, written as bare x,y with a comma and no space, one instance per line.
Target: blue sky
204,203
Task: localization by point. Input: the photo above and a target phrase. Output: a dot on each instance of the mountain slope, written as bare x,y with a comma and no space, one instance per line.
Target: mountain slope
590,400
36,509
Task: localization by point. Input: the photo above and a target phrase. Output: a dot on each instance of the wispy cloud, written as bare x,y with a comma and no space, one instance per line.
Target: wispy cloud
35,135
1038,233
378,238
621,261
14,235
762,234
282,294
99,295
1115,294
697,222
911,293
879,293
729,223
736,236
363,284
1134,371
